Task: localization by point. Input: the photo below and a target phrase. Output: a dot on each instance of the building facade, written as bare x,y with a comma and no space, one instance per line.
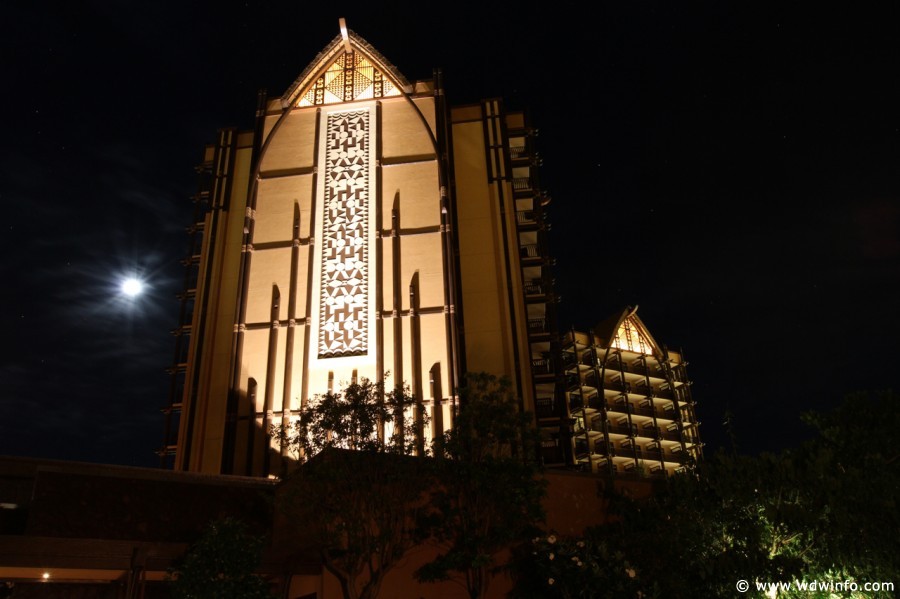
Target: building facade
365,228
629,399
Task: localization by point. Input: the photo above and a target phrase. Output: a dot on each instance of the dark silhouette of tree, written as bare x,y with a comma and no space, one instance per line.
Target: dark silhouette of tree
357,496
354,418
221,565
824,511
487,497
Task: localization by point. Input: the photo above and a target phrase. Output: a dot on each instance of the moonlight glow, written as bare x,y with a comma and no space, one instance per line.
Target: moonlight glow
132,287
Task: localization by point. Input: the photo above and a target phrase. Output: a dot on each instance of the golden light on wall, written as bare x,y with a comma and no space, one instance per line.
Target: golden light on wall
630,338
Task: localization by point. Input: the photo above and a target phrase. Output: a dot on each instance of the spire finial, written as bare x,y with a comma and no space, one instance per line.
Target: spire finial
342,23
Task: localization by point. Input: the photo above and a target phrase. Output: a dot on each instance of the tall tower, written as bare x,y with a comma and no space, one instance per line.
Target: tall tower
325,257
365,228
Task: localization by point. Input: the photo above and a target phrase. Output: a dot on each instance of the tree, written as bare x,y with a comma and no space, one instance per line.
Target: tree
354,418
487,496
824,511
221,565
357,497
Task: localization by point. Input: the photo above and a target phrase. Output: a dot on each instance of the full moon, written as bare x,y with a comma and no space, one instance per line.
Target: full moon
132,287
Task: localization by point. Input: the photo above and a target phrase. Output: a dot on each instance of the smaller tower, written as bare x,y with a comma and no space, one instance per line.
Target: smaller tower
629,401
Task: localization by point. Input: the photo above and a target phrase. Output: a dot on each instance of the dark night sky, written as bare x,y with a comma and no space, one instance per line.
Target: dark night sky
735,170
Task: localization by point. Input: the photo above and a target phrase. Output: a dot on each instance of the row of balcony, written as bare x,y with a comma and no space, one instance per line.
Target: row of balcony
613,363
648,432
623,407
656,454
574,383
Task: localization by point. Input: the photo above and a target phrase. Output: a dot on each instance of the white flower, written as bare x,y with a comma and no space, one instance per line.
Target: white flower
631,573
551,539
574,559
551,557
551,581
580,543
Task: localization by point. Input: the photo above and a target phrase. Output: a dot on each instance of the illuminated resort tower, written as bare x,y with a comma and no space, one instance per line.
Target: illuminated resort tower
362,229
629,399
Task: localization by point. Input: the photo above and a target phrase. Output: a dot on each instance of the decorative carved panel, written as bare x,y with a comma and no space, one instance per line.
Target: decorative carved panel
343,312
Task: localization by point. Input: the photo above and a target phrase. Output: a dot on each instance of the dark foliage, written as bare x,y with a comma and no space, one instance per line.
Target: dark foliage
824,511
488,497
221,565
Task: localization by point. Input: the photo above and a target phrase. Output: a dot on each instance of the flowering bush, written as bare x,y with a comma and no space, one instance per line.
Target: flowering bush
574,568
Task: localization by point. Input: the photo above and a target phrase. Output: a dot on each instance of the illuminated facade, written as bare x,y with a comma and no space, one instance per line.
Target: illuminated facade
363,229
629,400
366,229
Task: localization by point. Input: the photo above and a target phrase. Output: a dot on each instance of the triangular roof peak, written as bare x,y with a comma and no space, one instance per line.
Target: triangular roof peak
348,69
628,332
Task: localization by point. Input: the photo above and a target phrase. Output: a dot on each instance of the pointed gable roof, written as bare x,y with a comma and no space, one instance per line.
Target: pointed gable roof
627,331
337,75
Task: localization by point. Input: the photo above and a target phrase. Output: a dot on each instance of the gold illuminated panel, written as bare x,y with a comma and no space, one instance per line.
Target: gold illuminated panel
629,338
343,312
350,77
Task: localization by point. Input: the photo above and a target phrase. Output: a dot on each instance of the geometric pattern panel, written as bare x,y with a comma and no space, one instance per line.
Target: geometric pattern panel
350,77
343,304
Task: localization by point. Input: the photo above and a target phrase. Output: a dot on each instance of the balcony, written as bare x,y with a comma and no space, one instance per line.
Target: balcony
680,457
518,152
534,288
544,407
587,358
531,251
663,392
537,326
628,452
669,435
623,407
576,402
617,385
541,366
526,217
521,183
615,429
552,453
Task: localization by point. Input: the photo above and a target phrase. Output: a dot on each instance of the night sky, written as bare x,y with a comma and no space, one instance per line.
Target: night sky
734,170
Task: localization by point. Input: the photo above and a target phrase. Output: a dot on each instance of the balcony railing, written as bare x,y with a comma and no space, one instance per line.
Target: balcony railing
628,452
679,457
623,430
526,217
541,366
531,250
622,407
521,183
534,289
544,407
617,385
517,152
537,325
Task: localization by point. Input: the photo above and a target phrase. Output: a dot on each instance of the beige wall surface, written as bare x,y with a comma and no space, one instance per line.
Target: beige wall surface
292,145
268,268
206,453
275,205
415,186
482,271
404,134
